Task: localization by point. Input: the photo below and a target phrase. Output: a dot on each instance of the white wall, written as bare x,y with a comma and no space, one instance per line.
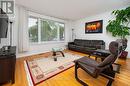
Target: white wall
107,37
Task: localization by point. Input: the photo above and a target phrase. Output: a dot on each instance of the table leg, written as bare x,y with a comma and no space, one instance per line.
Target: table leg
55,58
62,53
54,54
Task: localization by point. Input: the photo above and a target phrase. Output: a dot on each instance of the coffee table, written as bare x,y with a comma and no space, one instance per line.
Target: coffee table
55,51
99,53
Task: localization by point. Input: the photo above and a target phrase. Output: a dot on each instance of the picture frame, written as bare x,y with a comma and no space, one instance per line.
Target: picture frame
94,27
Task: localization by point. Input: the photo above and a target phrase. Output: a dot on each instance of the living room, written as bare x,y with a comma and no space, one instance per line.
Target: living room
42,36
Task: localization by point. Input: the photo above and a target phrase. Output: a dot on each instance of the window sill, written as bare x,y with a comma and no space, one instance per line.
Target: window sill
49,42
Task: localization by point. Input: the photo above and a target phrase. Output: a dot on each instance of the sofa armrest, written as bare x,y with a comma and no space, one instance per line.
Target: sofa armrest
103,47
70,43
100,47
103,43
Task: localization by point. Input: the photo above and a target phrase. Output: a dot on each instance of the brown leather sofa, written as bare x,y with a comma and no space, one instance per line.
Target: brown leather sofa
86,46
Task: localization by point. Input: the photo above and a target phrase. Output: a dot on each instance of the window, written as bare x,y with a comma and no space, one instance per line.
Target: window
43,30
49,31
33,29
62,34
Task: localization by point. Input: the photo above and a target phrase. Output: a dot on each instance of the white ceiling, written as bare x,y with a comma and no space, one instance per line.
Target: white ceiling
72,9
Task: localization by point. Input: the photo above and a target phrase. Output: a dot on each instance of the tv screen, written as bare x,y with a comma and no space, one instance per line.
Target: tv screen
3,24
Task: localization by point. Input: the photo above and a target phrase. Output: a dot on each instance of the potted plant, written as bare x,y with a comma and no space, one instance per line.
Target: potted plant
119,26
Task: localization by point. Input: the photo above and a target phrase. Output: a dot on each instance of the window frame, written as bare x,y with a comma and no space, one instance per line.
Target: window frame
40,18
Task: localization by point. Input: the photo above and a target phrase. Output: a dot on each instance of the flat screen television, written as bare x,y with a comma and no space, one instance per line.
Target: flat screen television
3,24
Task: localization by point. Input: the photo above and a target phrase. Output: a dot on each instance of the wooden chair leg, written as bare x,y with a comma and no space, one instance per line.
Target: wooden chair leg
110,82
118,66
76,76
111,79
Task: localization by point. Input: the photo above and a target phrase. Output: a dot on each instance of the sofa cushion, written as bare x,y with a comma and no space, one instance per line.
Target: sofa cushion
80,48
87,43
79,42
90,48
94,43
86,46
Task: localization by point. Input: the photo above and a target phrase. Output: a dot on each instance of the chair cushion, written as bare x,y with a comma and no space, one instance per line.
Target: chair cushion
107,61
88,65
113,48
88,61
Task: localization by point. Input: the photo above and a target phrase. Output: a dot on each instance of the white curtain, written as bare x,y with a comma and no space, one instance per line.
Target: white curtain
23,38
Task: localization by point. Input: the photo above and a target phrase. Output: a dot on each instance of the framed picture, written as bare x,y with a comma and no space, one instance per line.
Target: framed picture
94,27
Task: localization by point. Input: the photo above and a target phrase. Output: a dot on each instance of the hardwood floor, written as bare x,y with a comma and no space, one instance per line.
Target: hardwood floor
66,78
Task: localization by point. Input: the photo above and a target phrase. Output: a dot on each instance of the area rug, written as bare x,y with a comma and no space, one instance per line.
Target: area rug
41,69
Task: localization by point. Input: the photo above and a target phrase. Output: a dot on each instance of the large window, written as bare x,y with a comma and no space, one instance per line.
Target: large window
43,30
33,29
61,31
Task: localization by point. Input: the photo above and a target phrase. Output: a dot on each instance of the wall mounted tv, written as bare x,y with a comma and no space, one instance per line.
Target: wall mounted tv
3,24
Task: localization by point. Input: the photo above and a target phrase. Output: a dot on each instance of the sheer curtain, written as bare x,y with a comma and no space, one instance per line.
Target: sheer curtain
23,44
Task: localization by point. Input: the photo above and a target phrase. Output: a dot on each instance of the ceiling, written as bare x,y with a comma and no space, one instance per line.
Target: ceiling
72,9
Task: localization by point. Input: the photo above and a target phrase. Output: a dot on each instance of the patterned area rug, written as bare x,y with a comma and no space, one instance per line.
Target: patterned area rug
39,70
